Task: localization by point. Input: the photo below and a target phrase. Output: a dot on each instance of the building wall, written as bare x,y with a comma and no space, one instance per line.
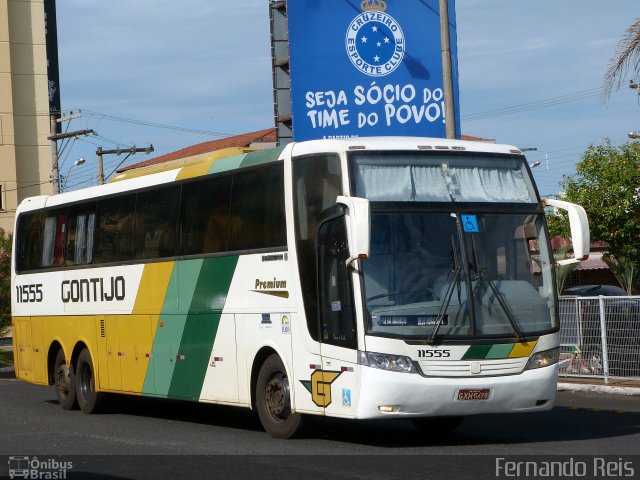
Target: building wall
25,155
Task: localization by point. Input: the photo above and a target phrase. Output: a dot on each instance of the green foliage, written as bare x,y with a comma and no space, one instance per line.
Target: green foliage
558,224
562,271
625,270
607,185
6,240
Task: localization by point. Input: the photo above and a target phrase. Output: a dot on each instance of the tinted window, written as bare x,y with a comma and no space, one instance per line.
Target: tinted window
156,223
114,239
80,234
257,209
316,184
53,238
337,315
29,246
205,216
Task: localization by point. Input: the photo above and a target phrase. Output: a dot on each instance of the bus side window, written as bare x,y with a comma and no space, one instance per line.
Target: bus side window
257,217
29,244
156,223
114,235
80,234
55,224
205,216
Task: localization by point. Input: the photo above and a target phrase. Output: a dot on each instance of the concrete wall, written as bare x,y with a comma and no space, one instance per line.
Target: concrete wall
25,156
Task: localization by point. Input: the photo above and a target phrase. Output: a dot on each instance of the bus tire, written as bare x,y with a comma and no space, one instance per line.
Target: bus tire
89,399
65,383
437,424
273,400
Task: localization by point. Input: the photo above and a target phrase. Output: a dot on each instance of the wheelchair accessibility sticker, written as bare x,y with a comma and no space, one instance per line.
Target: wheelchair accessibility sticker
469,223
346,397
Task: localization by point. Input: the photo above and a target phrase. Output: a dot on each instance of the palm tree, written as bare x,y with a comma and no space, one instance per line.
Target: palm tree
627,54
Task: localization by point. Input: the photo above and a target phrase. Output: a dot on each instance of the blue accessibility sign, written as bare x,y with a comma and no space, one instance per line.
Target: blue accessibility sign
469,223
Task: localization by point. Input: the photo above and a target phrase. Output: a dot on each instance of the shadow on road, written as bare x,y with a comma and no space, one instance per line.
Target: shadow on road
559,424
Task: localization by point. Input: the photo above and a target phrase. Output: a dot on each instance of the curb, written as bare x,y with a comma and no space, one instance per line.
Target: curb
583,387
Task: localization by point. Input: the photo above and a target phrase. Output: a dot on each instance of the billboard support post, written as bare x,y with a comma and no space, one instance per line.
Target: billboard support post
447,75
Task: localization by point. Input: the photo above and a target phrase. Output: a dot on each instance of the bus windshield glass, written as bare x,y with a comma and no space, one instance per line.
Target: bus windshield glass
456,177
443,263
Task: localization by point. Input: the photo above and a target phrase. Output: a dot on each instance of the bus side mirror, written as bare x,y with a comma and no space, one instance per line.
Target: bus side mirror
579,225
358,226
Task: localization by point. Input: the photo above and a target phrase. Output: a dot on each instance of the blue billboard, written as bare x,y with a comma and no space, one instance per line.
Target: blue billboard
367,68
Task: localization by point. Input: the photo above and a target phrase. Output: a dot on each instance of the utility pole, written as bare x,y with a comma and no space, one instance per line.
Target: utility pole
118,151
55,171
447,71
100,166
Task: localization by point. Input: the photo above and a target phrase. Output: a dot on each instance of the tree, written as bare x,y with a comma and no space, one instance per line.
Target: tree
607,185
6,240
627,54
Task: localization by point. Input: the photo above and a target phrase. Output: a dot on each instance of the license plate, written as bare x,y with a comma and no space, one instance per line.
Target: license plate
474,394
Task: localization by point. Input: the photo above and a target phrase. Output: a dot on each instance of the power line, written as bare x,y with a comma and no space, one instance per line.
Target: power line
103,116
27,186
547,102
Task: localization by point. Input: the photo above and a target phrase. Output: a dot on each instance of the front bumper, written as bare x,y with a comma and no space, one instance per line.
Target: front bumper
412,395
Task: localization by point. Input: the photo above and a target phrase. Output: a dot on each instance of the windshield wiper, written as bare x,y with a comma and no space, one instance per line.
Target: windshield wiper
452,280
481,271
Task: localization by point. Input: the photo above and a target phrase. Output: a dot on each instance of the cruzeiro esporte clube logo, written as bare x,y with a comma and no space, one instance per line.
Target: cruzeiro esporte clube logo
375,42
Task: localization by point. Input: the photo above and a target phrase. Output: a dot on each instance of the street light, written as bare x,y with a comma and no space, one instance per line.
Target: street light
79,161
634,135
534,164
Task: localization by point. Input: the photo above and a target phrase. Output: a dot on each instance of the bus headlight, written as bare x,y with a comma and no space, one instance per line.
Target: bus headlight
383,361
543,359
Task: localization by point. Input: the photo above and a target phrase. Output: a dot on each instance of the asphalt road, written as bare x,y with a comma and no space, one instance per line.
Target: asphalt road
167,434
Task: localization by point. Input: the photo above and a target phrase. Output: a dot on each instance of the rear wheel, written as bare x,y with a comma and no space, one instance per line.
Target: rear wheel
273,400
437,424
89,400
65,383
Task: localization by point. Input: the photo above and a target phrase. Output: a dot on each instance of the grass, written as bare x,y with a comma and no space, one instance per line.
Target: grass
6,358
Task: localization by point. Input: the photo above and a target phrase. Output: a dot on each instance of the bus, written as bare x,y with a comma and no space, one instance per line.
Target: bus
362,278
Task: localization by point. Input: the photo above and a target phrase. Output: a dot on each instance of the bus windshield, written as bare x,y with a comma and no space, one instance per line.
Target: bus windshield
460,268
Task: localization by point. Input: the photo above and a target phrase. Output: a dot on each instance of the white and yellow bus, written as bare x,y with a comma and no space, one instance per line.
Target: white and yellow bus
365,278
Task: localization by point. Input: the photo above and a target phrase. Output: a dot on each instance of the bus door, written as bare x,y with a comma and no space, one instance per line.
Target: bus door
337,318
319,356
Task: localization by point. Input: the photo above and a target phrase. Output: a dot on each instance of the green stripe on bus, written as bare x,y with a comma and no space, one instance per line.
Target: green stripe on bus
500,351
171,326
207,303
226,164
477,352
261,156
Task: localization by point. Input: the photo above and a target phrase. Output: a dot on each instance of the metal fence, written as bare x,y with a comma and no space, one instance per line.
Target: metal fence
600,336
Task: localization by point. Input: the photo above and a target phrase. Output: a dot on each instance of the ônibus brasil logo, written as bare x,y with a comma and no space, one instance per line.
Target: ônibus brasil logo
375,42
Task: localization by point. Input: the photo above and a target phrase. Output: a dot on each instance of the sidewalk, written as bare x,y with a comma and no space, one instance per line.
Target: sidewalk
616,386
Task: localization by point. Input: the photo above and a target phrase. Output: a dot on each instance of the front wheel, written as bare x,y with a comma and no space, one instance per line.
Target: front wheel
65,383
89,399
437,424
273,400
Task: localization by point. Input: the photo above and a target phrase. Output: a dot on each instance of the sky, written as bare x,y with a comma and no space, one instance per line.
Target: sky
174,74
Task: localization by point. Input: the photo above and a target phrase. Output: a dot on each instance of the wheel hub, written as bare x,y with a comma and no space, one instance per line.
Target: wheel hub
62,379
277,397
